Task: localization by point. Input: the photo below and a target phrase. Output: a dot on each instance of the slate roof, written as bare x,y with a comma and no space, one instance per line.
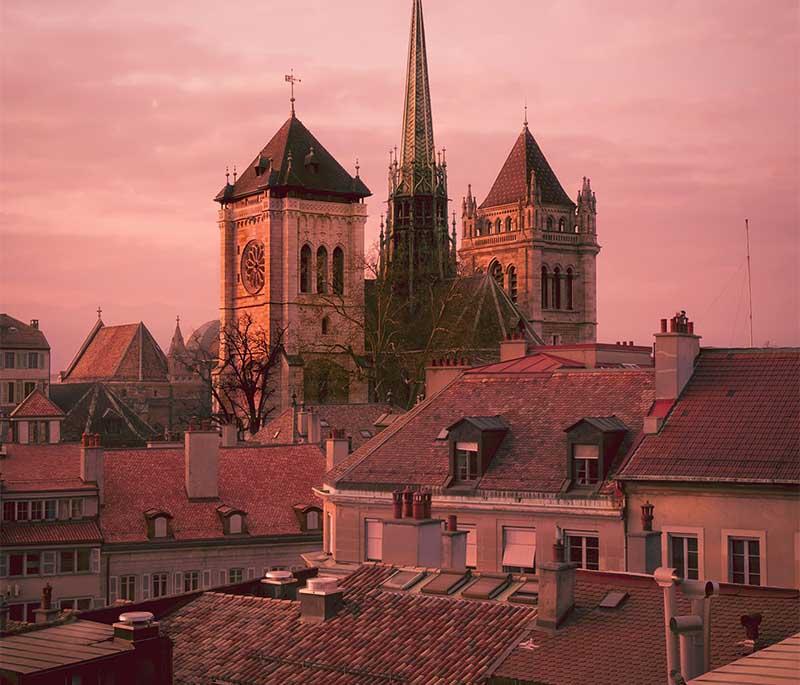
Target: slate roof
57,532
205,338
536,406
352,418
17,334
36,405
378,635
293,164
265,482
32,468
511,184
738,420
626,644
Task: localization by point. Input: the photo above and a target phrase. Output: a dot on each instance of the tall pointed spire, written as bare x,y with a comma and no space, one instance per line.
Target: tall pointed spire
417,118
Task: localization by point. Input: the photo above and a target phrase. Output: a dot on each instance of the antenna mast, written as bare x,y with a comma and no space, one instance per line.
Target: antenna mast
749,281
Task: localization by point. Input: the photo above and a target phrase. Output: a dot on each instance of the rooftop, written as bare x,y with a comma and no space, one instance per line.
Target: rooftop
36,406
15,334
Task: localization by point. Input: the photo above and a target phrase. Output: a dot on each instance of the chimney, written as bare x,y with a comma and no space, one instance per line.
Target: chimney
665,578
416,539
92,462
46,613
751,624
644,548
440,372
699,593
279,585
35,324
320,599
513,347
337,447
302,422
152,661
454,546
314,431
556,589
687,628
675,353
230,435
201,460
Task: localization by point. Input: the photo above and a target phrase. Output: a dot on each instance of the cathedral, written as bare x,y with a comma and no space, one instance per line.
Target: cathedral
292,255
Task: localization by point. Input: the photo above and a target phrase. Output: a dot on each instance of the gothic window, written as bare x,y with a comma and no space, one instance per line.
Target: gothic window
557,288
509,224
522,220
570,278
338,271
498,226
549,223
322,270
545,279
497,273
305,269
512,283
562,225
252,267
325,325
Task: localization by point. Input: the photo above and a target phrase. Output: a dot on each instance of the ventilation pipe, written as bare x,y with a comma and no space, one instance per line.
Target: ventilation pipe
666,578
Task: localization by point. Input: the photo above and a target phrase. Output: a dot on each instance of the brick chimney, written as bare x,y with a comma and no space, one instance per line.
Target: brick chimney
302,421
230,435
676,348
440,372
153,651
644,547
320,599
556,589
414,541
337,447
35,324
92,462
201,462
46,613
515,346
314,430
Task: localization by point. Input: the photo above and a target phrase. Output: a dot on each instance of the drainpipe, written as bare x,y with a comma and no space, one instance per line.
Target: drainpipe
666,577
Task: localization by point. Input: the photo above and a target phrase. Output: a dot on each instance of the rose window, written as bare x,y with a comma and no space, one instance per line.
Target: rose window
253,266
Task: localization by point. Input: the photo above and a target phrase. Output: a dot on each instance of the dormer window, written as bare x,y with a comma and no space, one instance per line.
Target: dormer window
157,523
593,444
309,517
467,461
235,524
233,520
585,461
473,441
160,527
313,520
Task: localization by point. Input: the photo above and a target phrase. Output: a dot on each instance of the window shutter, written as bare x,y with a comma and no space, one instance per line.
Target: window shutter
206,579
145,586
178,583
251,573
3,565
96,560
48,563
112,589
223,577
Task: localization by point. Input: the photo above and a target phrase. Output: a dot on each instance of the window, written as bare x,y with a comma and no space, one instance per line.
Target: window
160,527
322,270
509,224
159,581
22,511
33,361
338,271
472,543
584,550
466,461
49,563
549,223
32,567
496,270
67,561
305,269
50,509
76,508
570,278
127,588
512,283
562,224
37,510
744,565
373,534
235,575
235,524
519,550
28,388
584,463
191,581
325,325
557,288
9,511
10,362
498,226
312,520
16,564
683,556
81,604
545,278
84,560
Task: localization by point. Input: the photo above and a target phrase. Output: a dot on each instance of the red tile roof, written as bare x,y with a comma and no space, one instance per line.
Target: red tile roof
538,407
378,635
142,479
738,419
36,405
626,644
127,352
511,184
30,468
533,363
45,533
15,334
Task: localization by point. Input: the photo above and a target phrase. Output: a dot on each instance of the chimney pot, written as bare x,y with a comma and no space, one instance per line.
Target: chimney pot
35,324
690,327
452,523
630,343
397,504
663,325
408,503
418,507
751,623
647,516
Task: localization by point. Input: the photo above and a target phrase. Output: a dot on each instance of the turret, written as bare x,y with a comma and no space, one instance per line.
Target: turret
587,208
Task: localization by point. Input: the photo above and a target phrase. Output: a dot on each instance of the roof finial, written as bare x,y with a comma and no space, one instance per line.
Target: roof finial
525,123
234,174
358,168
227,176
99,312
292,79
178,320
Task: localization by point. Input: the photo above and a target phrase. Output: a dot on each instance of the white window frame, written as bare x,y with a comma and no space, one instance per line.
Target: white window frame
160,527
313,520
76,504
586,458
760,535
467,449
127,587
583,534
49,561
235,524
159,576
685,531
187,575
372,524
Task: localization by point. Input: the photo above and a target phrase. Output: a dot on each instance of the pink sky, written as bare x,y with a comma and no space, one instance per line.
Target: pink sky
118,119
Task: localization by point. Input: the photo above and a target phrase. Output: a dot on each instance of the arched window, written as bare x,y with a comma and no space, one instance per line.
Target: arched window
322,270
522,220
557,288
545,279
512,283
305,269
160,527
498,226
562,225
325,325
549,223
313,520
235,524
496,270
338,271
509,224
570,277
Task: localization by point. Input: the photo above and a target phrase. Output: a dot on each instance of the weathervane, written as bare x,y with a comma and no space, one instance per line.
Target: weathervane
292,79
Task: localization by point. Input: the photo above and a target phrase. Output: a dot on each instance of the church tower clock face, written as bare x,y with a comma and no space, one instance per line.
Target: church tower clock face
253,266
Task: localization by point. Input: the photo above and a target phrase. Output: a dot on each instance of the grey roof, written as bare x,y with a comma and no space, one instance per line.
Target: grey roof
17,334
483,423
606,424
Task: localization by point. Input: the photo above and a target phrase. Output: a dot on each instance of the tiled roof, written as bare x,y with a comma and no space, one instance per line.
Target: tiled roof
138,480
295,166
57,532
532,363
513,180
377,636
127,352
352,418
536,406
626,644
29,468
738,419
16,334
36,405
